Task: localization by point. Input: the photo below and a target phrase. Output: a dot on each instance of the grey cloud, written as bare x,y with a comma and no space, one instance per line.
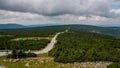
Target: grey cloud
30,18
115,3
59,7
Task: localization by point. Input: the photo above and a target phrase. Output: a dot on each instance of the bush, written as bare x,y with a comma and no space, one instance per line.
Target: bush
20,54
31,55
114,65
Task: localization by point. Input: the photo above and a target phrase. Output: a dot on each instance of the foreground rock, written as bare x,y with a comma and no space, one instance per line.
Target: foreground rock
2,66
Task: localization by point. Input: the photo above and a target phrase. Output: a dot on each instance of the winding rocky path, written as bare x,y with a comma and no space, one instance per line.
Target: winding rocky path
49,46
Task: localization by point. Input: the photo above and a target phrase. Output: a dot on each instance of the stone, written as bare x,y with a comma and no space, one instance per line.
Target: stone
27,65
10,60
2,66
15,60
42,61
5,60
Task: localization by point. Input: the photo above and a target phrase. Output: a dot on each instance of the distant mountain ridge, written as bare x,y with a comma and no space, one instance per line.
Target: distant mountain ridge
19,26
11,26
112,31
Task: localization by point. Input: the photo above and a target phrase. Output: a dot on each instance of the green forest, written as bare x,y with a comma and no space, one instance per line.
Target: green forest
83,47
82,43
6,37
6,43
33,32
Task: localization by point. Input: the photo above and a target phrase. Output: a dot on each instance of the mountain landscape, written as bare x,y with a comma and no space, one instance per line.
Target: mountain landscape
59,33
75,43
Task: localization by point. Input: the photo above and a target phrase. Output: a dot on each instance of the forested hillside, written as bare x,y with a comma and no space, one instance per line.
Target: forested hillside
32,32
82,46
112,31
43,31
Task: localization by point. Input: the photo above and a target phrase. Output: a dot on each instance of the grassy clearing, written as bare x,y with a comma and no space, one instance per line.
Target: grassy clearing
32,38
5,35
118,49
43,61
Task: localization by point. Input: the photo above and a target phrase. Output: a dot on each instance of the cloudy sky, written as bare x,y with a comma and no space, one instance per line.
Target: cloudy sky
92,12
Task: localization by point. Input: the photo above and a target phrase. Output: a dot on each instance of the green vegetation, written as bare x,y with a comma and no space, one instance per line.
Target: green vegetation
43,61
29,44
114,65
20,54
7,42
112,31
33,32
82,43
83,47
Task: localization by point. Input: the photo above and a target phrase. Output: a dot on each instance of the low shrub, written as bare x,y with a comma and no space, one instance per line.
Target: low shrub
20,54
114,65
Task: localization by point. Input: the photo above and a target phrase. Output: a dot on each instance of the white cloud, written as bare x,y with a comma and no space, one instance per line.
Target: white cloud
82,18
58,11
97,18
117,11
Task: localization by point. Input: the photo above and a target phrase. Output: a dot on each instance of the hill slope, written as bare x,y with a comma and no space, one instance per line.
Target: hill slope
112,31
85,47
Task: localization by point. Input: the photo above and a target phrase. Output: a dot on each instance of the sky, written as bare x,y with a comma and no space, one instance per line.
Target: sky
91,12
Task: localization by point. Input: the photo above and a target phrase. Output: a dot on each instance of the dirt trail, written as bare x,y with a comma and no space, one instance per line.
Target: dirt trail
50,45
